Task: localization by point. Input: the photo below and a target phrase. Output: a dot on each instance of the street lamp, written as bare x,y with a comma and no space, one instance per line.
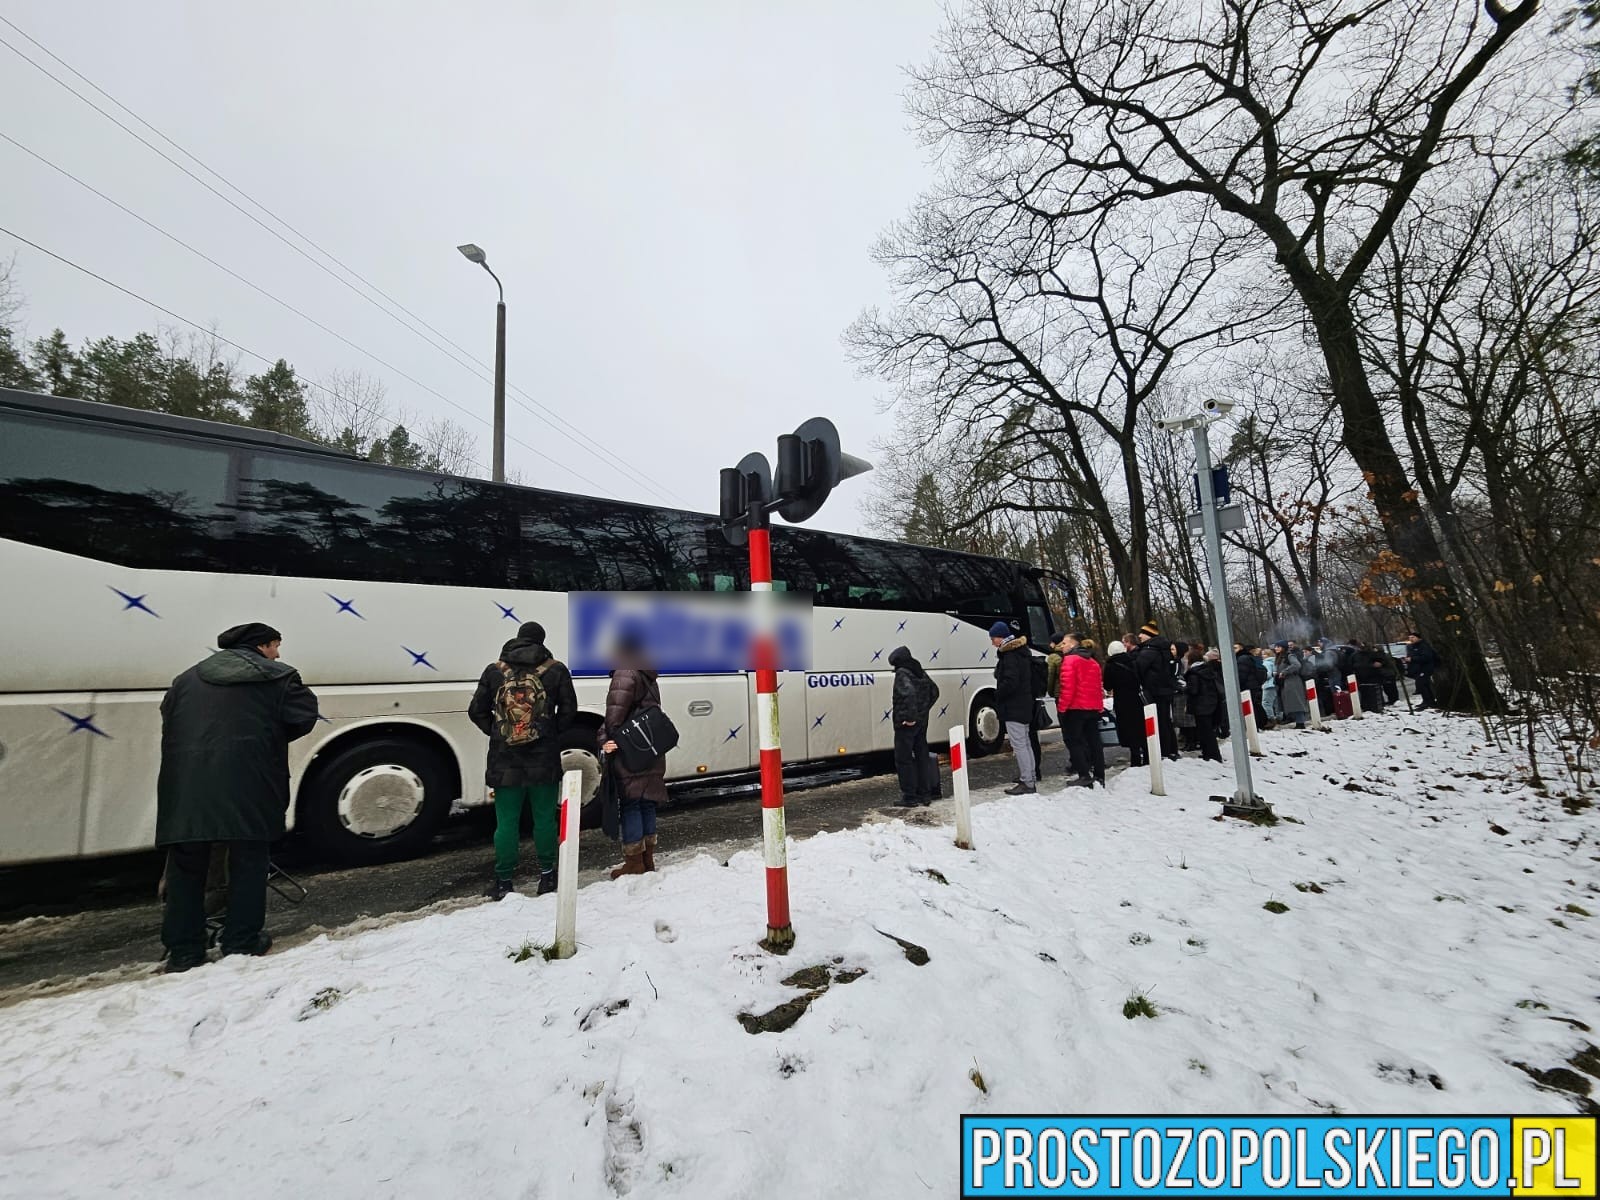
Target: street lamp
475,254
1245,801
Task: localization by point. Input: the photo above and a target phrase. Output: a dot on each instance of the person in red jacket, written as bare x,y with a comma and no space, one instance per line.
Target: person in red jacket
1080,699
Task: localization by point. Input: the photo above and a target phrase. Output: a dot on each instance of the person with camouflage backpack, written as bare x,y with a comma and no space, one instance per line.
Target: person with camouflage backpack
525,702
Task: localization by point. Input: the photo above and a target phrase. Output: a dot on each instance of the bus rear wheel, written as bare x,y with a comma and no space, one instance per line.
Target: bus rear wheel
376,801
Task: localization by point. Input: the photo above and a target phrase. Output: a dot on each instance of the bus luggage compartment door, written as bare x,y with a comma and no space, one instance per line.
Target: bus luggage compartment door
45,741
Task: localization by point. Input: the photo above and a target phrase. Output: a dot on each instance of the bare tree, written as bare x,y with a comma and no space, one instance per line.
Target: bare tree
12,301
1090,106
350,410
450,447
1044,343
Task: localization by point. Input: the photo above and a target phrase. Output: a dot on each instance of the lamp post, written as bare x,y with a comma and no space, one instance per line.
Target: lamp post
475,254
1245,801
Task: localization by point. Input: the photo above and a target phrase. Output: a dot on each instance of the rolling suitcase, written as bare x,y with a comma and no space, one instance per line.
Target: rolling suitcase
1341,705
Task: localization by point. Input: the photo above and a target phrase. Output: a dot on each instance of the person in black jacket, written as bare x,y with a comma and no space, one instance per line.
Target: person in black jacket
1207,701
1155,667
1252,678
527,773
1121,679
914,695
1366,664
226,725
1421,661
1014,697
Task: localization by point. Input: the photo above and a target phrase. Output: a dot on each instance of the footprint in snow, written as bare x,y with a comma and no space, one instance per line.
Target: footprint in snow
207,1029
665,932
624,1143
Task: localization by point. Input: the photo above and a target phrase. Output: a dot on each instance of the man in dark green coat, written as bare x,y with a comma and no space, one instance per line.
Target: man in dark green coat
226,725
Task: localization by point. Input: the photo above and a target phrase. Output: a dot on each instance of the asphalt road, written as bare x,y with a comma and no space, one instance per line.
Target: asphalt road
67,926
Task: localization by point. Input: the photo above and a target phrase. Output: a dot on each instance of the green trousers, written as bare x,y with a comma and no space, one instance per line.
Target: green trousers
544,799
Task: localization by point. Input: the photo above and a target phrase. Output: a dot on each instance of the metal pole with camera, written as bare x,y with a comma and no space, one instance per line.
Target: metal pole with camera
810,466
1245,801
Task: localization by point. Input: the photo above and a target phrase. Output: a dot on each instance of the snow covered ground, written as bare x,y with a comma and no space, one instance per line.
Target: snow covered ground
1439,943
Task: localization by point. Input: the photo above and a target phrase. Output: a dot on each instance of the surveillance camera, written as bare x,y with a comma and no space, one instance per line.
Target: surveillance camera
1161,425
1218,406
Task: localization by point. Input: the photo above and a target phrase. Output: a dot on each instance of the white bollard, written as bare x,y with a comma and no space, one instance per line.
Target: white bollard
567,867
1311,703
1355,696
959,788
1152,741
1247,706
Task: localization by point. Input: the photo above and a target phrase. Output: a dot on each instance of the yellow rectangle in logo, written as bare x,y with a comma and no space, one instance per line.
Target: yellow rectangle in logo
1553,1156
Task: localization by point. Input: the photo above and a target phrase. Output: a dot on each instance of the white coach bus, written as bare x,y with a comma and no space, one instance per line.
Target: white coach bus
128,540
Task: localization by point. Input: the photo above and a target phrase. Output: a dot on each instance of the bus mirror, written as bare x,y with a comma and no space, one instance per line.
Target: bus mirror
810,466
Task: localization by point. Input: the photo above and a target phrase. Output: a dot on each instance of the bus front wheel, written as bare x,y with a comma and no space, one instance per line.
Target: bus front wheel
986,732
376,801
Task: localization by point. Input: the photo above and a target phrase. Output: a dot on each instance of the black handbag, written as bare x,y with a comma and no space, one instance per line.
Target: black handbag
1044,715
644,737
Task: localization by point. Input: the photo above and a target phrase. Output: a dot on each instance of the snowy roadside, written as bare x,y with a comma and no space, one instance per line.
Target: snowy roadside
1432,935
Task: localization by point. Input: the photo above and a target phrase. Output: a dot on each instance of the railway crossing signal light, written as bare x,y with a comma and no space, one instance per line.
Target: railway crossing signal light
810,466
748,483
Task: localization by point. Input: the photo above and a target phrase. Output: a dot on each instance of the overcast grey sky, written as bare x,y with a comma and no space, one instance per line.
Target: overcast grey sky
680,198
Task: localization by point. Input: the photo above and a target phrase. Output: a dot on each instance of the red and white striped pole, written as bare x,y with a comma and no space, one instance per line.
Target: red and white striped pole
959,787
1152,741
1311,703
1354,689
780,933
567,866
1247,707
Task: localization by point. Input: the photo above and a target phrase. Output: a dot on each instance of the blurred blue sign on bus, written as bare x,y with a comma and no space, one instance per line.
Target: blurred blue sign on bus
684,633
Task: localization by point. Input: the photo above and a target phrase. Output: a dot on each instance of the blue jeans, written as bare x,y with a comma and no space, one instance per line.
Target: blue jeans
638,820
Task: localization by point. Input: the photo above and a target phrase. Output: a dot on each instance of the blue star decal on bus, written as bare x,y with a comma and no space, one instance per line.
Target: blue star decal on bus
732,734
965,679
345,606
817,724
505,612
886,713
944,710
983,656
135,602
876,655
933,656
82,723
419,659
953,628
839,623
902,627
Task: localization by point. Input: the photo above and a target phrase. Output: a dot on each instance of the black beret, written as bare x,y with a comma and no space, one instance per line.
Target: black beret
253,633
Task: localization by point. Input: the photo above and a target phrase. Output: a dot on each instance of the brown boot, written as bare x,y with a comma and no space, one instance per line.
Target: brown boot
632,861
650,852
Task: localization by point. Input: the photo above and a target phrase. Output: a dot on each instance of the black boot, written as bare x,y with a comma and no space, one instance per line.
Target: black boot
258,947
547,882
498,889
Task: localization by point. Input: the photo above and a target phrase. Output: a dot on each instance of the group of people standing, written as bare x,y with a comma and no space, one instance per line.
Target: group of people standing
223,788
1183,681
